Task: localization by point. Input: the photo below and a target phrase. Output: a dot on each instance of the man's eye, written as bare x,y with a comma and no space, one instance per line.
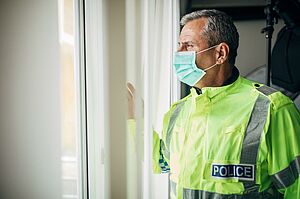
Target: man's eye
190,46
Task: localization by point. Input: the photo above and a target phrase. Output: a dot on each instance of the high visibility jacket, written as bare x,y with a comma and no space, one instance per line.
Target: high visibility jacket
236,141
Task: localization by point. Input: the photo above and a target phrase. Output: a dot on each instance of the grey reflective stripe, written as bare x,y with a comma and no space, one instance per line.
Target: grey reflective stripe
172,122
199,194
266,90
252,138
271,193
287,176
173,190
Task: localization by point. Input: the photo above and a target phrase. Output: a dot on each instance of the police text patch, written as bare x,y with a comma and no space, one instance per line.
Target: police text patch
240,171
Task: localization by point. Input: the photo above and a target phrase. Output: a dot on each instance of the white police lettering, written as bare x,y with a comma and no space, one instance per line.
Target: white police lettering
240,171
223,171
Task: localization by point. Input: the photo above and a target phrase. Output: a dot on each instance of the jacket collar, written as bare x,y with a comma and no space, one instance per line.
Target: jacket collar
214,93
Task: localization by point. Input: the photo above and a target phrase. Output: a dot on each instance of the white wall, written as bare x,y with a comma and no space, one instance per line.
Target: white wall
29,100
252,48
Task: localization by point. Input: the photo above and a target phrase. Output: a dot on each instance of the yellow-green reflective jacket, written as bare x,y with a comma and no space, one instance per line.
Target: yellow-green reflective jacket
237,141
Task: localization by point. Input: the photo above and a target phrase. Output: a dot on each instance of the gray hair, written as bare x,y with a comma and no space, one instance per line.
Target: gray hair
219,28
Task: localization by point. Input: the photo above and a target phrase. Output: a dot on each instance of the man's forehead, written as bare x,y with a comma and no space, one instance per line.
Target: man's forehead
189,36
192,30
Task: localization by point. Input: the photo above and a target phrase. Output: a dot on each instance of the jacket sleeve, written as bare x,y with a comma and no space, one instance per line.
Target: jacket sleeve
160,152
160,161
160,164
283,141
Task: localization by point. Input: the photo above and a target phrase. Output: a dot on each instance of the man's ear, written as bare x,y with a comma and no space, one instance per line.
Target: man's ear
223,53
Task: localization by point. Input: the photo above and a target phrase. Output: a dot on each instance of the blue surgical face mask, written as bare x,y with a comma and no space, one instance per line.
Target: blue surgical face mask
185,66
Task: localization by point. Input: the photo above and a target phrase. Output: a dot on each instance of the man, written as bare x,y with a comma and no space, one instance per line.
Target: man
230,137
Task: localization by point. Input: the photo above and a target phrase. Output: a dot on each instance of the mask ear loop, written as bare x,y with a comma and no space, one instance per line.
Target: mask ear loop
201,51
206,69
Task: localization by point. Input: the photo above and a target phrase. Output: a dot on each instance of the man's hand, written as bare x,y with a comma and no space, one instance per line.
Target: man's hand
131,97
131,100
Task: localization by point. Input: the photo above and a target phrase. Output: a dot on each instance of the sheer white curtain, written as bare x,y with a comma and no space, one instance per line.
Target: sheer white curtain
152,29
138,36
163,24
163,36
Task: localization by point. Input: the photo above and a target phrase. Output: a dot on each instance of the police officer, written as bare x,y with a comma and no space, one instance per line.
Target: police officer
230,137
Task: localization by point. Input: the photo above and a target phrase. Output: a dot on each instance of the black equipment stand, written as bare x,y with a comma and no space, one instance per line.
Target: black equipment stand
268,30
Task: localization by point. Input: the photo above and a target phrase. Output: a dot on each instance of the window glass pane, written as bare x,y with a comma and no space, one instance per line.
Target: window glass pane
70,152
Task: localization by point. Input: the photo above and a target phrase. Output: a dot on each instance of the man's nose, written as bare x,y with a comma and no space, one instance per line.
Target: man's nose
181,48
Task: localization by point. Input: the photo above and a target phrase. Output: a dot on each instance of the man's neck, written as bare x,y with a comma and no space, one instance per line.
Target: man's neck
233,76
229,79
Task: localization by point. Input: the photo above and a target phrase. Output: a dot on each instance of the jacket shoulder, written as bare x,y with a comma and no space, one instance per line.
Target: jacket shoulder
277,99
176,105
181,101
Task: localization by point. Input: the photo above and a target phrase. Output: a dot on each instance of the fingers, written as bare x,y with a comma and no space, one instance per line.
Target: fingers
131,100
129,93
130,89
